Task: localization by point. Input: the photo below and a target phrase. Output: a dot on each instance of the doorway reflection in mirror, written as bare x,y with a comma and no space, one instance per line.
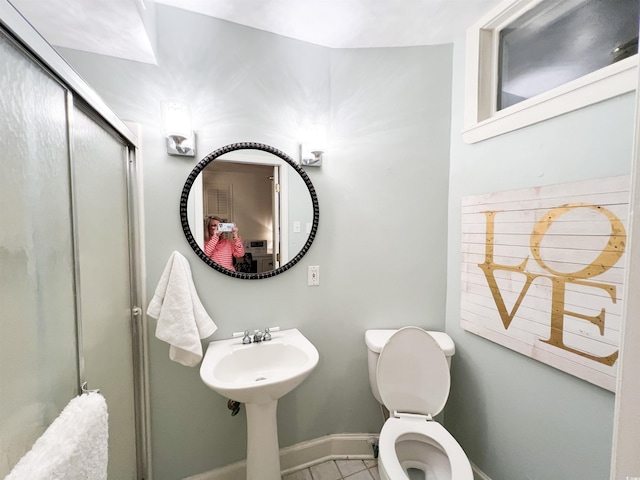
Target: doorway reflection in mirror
250,194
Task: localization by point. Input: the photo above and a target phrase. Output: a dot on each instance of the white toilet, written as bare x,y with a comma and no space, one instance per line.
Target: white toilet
409,374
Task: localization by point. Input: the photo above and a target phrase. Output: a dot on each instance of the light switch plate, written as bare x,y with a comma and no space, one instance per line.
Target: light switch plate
313,275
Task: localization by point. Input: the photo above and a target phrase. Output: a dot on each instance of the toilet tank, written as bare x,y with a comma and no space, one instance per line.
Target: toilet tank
376,339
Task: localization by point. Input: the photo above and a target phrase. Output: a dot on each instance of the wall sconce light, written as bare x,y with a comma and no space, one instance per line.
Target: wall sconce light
312,150
310,156
177,129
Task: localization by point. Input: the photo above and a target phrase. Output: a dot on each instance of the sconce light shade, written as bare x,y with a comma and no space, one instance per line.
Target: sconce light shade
177,129
313,147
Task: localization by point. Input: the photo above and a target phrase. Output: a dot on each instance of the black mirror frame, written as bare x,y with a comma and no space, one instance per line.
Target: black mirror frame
210,158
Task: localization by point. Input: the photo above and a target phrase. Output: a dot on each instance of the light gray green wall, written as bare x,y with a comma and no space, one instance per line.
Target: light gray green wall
382,189
518,418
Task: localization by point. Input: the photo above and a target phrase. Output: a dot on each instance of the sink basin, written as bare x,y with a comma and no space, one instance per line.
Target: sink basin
258,372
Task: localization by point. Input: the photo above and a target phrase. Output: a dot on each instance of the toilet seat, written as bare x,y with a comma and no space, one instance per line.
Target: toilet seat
428,432
413,373
414,383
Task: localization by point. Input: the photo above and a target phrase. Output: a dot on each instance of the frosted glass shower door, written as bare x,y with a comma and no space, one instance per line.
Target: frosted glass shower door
38,359
100,191
68,201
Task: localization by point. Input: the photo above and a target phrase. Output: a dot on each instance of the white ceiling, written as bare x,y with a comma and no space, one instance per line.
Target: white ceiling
107,27
116,27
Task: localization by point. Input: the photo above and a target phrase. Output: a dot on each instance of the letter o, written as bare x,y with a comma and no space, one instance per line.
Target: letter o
608,257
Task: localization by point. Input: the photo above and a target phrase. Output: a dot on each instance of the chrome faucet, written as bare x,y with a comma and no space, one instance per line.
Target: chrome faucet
257,336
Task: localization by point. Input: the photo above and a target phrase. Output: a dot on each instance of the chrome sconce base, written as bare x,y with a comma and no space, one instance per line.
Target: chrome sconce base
310,158
182,146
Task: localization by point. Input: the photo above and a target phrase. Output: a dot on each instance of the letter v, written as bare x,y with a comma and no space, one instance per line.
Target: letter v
489,269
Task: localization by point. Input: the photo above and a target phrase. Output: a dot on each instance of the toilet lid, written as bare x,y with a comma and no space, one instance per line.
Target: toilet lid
413,373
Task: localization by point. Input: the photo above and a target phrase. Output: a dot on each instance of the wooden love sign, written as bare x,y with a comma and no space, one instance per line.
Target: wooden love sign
543,271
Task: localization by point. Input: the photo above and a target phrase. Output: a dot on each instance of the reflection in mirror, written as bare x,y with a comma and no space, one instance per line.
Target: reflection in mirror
268,197
244,194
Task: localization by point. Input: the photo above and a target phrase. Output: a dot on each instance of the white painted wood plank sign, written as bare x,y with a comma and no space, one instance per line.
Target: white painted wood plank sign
543,270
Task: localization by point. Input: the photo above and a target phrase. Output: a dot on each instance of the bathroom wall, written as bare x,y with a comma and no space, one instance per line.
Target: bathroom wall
381,243
516,417
382,189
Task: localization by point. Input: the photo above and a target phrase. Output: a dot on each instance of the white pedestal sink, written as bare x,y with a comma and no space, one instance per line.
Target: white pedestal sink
258,374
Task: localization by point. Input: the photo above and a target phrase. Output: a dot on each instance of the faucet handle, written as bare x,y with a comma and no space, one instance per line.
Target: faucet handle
246,339
267,332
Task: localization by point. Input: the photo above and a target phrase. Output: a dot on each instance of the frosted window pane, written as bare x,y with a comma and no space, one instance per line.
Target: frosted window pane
38,372
561,40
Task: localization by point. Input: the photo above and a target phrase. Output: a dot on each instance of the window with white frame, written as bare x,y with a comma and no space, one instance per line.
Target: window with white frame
530,60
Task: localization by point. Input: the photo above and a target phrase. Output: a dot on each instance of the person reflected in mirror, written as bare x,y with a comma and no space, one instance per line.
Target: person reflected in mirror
219,247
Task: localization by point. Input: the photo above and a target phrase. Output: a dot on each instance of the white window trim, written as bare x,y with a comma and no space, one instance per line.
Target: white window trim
482,121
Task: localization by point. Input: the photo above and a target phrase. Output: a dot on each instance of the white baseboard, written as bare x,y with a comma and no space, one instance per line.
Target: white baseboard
304,455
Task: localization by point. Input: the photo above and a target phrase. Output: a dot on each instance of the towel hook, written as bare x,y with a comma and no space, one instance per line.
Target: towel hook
84,389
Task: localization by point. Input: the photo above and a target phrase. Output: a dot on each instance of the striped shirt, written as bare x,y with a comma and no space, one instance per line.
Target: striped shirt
222,250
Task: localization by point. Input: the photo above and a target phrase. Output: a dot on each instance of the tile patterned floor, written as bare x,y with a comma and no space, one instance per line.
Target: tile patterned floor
338,470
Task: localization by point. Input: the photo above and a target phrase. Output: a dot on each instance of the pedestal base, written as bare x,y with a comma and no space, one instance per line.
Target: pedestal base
263,451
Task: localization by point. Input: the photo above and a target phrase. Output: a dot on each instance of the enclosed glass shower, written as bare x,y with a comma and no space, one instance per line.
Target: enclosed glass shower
69,274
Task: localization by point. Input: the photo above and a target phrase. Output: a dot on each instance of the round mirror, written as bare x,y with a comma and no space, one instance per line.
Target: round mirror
269,200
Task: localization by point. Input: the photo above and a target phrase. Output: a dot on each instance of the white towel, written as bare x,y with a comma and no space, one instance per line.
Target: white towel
182,320
74,447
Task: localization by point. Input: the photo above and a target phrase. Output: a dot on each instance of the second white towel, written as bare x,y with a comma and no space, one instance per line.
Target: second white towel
182,319
74,447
